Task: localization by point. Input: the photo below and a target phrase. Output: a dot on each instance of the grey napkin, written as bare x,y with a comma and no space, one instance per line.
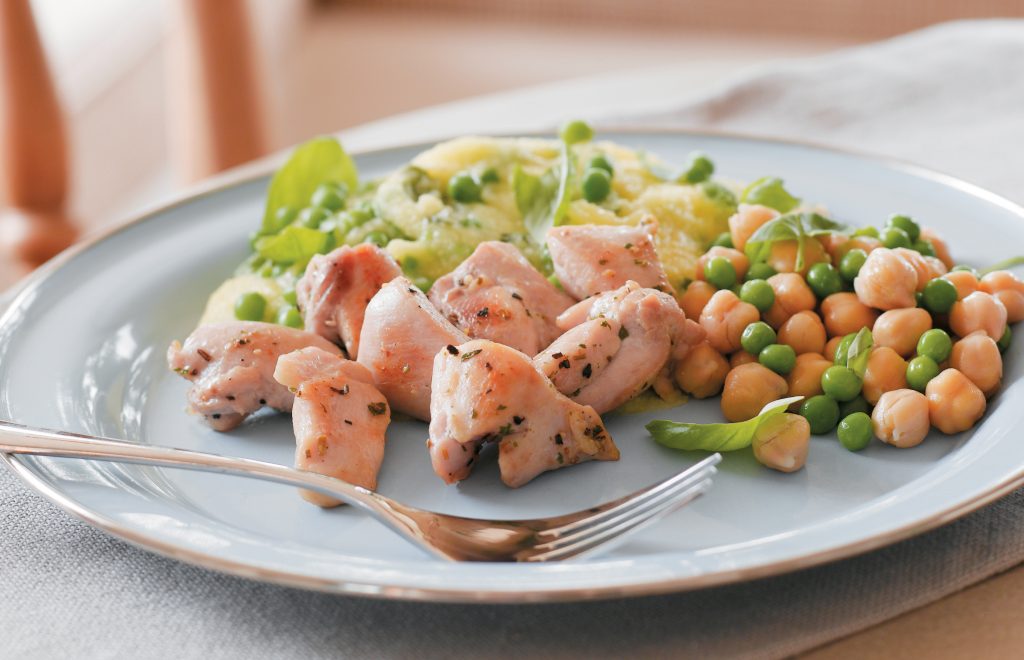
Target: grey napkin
950,97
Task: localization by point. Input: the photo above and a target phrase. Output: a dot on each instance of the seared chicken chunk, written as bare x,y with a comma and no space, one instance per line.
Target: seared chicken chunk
484,391
496,294
231,366
336,287
616,345
339,418
592,259
402,332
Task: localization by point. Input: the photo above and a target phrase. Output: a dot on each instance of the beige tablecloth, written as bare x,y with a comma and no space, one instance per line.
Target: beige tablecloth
951,97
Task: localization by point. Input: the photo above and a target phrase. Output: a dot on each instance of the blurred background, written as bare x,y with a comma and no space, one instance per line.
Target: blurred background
152,96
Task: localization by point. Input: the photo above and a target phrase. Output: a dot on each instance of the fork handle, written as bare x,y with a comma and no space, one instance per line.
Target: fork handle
21,439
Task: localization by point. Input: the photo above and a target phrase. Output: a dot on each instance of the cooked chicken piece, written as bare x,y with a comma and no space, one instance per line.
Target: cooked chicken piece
496,294
592,259
402,332
593,368
339,418
334,291
231,366
484,391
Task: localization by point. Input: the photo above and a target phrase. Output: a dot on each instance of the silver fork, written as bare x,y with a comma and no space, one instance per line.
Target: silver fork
448,537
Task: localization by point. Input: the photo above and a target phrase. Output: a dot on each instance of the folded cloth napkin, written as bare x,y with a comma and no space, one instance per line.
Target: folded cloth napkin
949,97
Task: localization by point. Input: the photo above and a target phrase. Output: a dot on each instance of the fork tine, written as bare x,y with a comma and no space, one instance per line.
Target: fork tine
618,533
644,504
638,498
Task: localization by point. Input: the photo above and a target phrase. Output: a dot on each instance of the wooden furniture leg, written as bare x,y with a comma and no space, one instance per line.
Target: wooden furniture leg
33,147
216,110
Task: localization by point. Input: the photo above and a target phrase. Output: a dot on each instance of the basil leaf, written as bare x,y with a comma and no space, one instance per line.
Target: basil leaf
321,160
543,201
293,245
789,227
859,352
769,191
1005,264
714,437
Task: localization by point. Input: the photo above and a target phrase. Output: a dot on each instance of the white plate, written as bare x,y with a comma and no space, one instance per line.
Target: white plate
82,348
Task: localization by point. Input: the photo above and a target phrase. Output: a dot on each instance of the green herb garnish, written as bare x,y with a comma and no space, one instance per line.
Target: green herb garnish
714,437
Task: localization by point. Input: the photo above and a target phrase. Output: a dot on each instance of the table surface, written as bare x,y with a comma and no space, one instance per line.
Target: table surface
950,627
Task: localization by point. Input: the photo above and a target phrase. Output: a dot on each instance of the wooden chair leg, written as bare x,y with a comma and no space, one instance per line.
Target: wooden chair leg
33,146
217,117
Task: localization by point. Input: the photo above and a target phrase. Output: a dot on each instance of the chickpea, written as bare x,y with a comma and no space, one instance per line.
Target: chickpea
834,244
866,243
747,220
845,313
748,389
741,357
702,372
804,332
738,260
886,281
724,318
1005,286
783,255
782,441
964,281
831,346
955,404
927,268
978,311
901,418
886,372
939,245
977,357
792,295
696,296
899,329
805,378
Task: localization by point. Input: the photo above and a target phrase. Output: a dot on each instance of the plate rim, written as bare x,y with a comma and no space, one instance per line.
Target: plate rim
251,172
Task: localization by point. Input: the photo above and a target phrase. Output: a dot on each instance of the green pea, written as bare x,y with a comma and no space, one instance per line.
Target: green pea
851,263
266,270
894,237
920,370
313,216
841,383
1004,341
284,216
843,348
489,175
758,293
760,271
601,162
964,267
919,299
723,240
821,413
871,232
939,296
780,358
855,431
756,337
378,238
250,307
289,316
576,131
290,297
463,188
907,224
410,264
720,272
935,344
923,246
330,196
824,280
699,168
597,184
855,405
